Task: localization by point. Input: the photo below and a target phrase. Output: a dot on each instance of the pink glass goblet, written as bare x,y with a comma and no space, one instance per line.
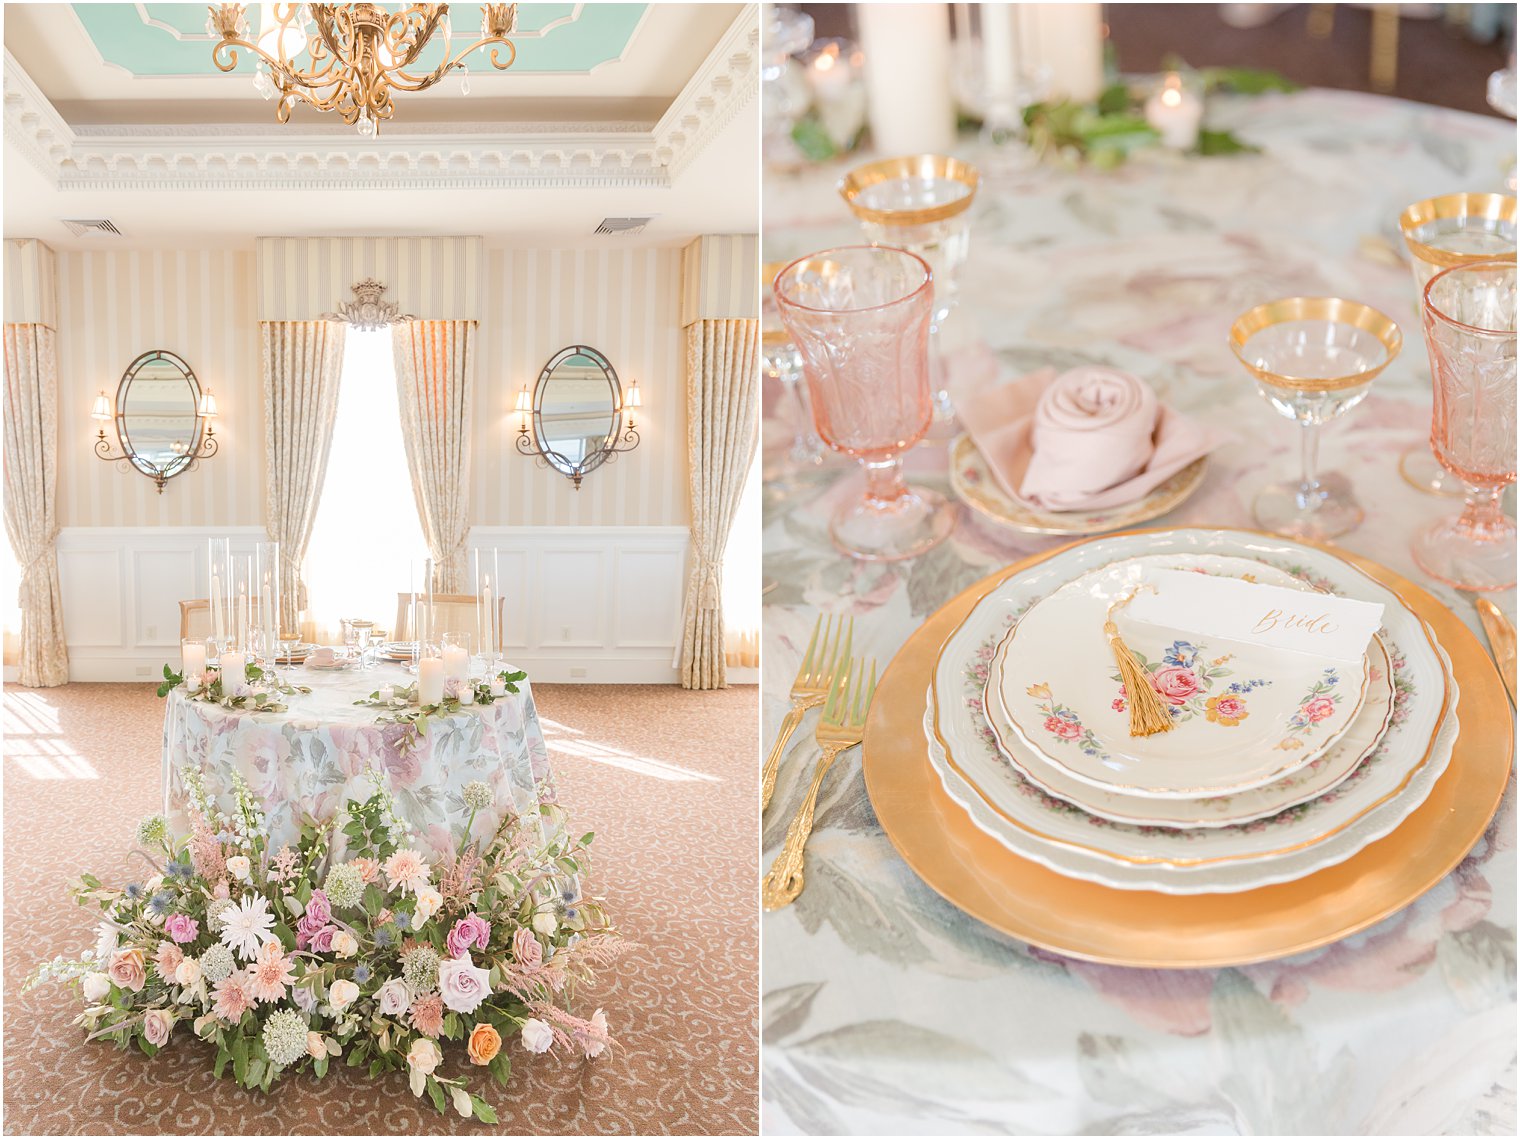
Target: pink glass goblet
1469,314
860,317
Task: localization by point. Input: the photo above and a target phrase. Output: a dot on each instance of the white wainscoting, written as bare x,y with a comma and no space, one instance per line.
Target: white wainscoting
586,604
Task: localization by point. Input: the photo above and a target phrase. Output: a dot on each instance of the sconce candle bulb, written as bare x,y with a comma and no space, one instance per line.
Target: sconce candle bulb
101,410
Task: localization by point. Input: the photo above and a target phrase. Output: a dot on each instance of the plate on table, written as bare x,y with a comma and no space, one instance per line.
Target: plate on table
974,485
1242,715
1233,857
1086,920
297,655
398,650
1309,782
326,660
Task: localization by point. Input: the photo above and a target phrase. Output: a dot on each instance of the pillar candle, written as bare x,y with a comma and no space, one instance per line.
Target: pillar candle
429,680
233,665
192,656
907,49
456,662
1068,40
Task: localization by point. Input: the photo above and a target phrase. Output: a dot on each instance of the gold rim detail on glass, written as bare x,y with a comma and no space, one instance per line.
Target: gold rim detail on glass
916,166
1337,310
1496,207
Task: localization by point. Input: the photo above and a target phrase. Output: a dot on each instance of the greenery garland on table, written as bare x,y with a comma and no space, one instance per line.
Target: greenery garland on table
419,717
253,694
288,960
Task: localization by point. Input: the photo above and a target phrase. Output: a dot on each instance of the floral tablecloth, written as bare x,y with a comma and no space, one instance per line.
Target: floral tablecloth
888,1010
324,749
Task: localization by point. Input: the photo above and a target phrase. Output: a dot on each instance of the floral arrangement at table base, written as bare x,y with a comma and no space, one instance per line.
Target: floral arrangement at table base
289,960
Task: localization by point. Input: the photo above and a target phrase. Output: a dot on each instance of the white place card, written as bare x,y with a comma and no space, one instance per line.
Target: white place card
1322,624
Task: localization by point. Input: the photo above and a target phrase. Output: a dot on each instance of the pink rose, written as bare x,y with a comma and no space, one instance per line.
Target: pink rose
128,969
319,909
182,927
157,1024
529,954
322,940
1174,683
469,932
1318,708
1059,726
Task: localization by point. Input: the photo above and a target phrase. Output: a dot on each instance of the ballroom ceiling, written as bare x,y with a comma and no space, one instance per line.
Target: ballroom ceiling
116,111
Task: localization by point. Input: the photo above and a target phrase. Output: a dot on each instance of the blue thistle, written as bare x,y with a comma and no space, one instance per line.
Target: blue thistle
361,974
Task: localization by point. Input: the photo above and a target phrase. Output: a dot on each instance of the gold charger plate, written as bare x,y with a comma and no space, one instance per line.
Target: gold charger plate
974,485
977,874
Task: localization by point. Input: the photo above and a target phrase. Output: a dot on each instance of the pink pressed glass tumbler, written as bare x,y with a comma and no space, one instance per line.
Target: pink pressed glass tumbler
1469,314
860,316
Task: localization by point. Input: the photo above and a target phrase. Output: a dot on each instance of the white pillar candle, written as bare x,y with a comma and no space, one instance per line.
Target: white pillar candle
1176,112
467,694
192,658
456,662
1067,39
429,680
387,693
233,665
907,49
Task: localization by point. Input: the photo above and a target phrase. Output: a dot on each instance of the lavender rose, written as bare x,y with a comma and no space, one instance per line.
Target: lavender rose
462,985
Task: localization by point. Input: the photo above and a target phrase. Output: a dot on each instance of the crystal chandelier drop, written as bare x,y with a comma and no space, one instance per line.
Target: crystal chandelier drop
358,54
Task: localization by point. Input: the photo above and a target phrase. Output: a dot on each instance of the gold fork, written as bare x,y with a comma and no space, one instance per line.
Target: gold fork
841,727
814,677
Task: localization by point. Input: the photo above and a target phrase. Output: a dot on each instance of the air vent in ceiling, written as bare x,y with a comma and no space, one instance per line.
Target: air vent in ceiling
81,226
621,227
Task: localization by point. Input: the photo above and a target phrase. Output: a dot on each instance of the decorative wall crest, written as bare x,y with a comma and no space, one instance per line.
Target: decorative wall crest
367,312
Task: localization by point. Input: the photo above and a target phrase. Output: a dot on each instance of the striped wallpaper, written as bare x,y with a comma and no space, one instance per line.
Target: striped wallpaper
204,305
626,304
113,306
29,286
437,278
721,278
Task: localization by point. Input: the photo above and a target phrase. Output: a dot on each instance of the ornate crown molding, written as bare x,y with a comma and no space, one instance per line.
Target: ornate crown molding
561,156
367,312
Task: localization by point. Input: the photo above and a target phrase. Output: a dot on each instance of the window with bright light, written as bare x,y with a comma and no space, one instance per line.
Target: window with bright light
367,536
741,578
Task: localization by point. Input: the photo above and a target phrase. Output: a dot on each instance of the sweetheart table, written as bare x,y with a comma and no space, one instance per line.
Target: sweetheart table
888,1010
324,749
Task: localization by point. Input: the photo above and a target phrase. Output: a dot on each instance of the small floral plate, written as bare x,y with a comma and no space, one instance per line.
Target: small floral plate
1308,782
1242,715
974,485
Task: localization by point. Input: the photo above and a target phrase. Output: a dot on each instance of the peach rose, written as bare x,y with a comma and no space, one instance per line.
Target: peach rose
484,1043
128,969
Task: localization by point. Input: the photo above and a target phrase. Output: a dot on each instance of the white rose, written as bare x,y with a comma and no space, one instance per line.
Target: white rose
545,923
188,973
343,944
240,868
394,999
97,986
342,994
315,1048
537,1036
462,984
429,902
152,884
423,1057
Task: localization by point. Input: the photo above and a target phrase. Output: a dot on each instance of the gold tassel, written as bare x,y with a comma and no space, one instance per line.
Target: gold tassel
1148,713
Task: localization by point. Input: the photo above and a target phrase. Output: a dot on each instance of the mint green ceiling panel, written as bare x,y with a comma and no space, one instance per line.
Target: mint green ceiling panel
153,47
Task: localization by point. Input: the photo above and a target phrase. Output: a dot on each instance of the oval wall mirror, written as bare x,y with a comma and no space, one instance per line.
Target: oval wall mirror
158,416
577,411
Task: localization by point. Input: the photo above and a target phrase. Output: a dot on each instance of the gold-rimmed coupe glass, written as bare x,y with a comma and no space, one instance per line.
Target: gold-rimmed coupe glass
1469,315
1453,229
1314,359
860,315
921,203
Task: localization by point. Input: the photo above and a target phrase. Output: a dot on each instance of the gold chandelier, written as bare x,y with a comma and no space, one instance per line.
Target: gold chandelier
359,53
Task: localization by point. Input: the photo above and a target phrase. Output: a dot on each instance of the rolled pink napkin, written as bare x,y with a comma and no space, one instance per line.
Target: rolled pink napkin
322,658
1088,439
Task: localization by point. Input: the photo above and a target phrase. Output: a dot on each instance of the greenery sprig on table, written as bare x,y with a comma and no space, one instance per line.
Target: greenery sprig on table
1105,133
208,688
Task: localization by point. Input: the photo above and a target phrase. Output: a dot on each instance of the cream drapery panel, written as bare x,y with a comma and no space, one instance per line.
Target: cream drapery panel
303,362
723,407
31,499
434,365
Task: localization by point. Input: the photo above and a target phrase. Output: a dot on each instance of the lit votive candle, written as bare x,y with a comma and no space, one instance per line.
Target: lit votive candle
430,680
1176,113
192,656
467,694
498,686
387,693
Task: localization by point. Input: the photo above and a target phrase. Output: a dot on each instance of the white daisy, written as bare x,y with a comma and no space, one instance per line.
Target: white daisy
246,926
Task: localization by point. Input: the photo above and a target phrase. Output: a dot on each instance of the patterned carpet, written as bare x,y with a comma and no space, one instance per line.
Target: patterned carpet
665,778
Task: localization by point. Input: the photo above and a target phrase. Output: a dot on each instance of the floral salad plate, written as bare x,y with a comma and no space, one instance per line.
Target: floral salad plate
1242,715
1308,782
1379,793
